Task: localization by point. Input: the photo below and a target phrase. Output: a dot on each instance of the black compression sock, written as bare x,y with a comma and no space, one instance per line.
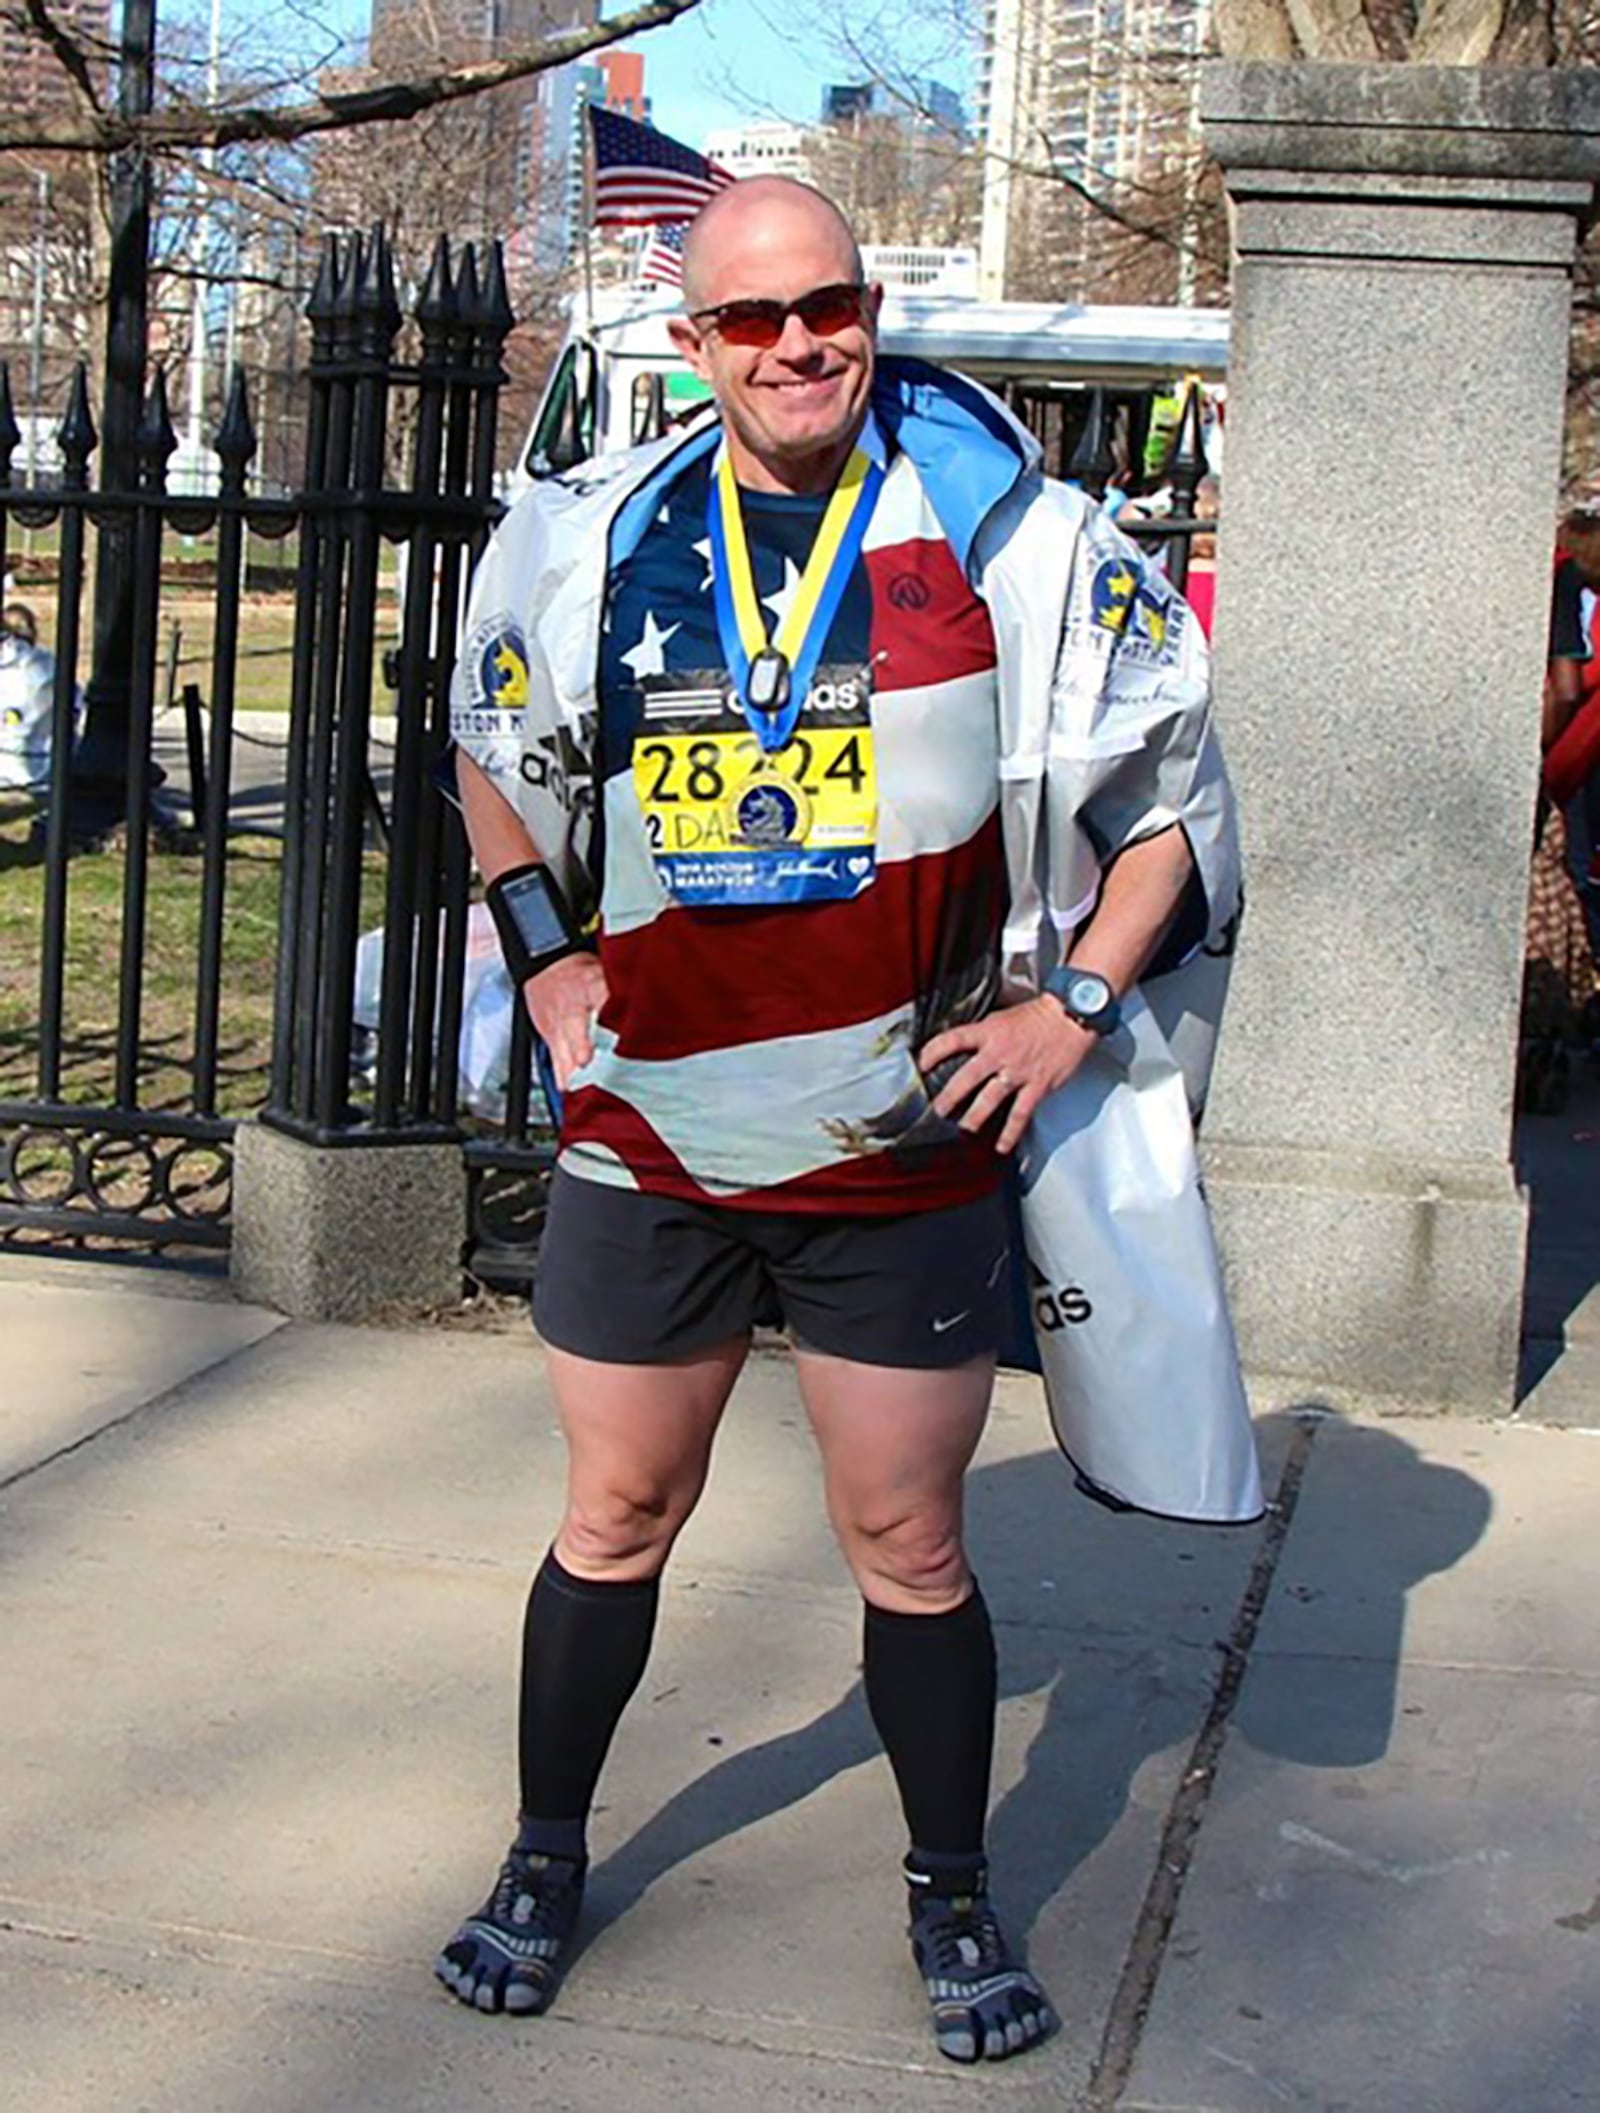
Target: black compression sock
584,1650
931,1687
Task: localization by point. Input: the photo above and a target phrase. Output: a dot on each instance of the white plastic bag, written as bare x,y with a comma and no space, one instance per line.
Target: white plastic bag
1140,1366
484,1052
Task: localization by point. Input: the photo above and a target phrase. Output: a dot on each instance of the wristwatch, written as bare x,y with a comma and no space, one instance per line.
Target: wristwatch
536,927
1084,995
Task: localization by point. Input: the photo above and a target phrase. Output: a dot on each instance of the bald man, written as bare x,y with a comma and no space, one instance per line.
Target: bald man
734,712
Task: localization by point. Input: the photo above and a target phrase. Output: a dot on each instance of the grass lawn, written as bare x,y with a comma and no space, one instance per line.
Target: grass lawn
188,606
122,1172
94,939
266,641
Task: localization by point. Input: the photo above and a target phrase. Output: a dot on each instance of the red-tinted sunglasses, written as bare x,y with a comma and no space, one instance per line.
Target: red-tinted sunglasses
825,311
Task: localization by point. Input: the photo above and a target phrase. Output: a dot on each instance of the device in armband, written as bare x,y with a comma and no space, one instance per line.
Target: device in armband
535,924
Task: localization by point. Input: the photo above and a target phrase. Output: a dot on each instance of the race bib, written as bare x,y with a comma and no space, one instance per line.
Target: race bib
732,826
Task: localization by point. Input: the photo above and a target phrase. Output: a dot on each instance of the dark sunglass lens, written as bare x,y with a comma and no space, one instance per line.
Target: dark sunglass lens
751,322
829,309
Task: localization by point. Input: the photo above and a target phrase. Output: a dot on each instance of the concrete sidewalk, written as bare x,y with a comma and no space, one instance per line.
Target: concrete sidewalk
262,1596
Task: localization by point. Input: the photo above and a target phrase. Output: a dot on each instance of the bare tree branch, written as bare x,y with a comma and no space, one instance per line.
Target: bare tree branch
334,110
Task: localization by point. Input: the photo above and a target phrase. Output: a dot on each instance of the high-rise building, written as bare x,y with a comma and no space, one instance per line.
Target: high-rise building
608,80
34,77
1101,91
844,101
919,102
492,165
457,28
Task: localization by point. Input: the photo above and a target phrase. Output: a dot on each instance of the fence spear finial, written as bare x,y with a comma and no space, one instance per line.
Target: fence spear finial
498,318
1091,463
76,435
236,436
157,438
1188,462
469,298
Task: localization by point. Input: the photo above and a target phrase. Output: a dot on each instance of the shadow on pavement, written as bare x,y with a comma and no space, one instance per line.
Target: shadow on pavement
1126,1662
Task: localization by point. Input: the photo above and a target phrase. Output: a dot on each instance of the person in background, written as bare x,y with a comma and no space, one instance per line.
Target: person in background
1570,728
27,696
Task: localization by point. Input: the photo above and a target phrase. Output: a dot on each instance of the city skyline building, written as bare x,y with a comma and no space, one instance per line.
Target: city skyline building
918,102
608,80
1103,91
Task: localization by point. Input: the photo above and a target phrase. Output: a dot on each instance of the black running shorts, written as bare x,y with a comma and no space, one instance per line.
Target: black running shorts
633,1279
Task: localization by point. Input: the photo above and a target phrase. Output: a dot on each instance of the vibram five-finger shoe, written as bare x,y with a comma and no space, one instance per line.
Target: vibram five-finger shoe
511,1955
985,2005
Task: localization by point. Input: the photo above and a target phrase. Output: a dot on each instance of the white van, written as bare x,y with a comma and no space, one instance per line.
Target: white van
618,379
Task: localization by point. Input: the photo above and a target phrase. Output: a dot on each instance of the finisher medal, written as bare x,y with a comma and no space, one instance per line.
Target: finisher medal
769,810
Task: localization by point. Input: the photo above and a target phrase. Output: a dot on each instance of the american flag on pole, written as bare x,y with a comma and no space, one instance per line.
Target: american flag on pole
661,263
641,177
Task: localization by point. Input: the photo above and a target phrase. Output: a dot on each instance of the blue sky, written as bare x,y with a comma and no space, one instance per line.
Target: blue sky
731,60
724,63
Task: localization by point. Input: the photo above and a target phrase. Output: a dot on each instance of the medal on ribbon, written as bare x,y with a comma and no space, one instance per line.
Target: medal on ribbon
771,676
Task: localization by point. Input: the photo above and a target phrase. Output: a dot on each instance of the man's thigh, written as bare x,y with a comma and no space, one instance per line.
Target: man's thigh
896,1446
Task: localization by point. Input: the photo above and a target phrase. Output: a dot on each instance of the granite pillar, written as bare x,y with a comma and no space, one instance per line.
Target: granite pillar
1404,237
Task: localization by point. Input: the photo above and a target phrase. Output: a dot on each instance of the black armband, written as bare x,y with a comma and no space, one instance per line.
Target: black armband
535,925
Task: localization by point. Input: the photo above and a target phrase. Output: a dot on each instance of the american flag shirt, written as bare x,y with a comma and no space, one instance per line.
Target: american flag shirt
766,1056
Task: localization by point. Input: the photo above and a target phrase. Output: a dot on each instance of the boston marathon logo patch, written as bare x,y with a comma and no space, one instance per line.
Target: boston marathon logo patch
491,693
1124,606
503,670
1111,596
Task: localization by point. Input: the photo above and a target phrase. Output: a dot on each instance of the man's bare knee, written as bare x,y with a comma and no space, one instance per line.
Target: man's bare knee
621,1534
914,1559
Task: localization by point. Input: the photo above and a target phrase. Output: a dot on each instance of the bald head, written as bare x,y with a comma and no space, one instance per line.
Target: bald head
756,222
790,349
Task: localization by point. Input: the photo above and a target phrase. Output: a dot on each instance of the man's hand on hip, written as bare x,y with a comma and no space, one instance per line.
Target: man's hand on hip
1018,1054
563,1002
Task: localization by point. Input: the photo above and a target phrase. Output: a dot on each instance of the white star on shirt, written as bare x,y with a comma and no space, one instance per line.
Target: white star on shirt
648,656
702,551
780,602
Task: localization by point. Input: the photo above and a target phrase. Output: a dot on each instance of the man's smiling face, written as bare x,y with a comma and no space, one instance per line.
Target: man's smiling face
790,411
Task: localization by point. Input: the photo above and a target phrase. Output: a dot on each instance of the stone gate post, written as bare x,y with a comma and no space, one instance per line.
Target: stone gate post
1403,237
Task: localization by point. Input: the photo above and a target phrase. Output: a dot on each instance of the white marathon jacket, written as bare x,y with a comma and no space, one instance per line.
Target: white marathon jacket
1104,685
1106,732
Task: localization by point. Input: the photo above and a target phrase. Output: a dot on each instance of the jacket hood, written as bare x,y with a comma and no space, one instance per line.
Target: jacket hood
969,451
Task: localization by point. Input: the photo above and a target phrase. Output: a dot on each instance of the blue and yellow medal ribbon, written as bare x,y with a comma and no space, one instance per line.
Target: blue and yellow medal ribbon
804,630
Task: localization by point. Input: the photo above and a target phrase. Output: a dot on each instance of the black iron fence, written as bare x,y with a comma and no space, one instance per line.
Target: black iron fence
120,1130
125,1063
191,971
